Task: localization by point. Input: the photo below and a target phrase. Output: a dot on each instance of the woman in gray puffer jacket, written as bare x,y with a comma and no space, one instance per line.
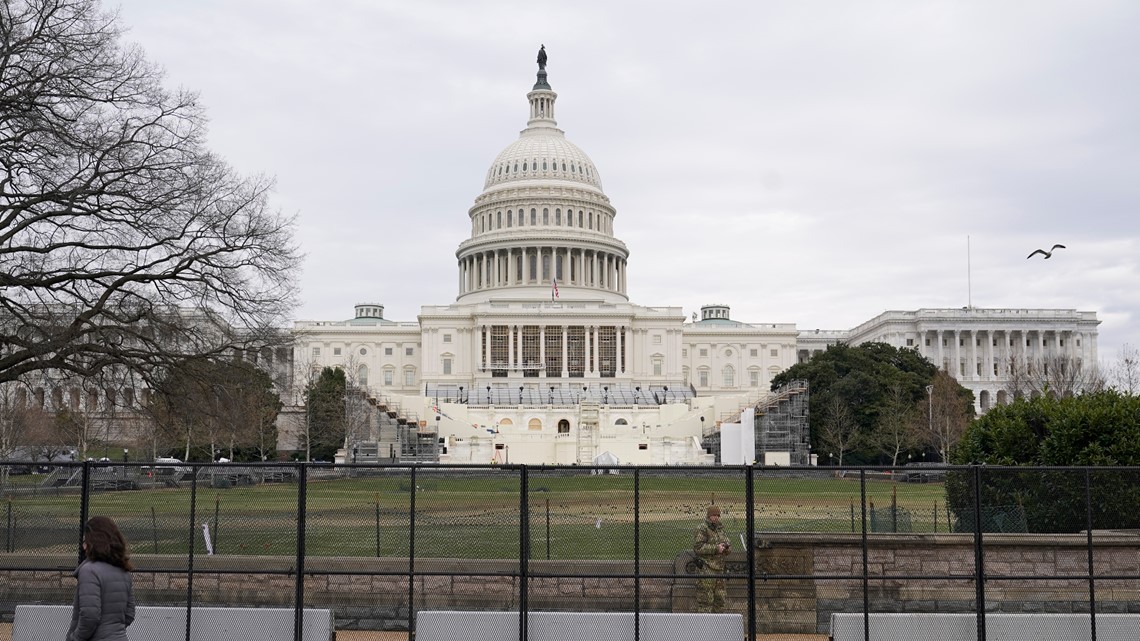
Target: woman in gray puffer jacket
104,598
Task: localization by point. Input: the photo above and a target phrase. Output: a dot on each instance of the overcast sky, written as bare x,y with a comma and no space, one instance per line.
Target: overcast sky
815,163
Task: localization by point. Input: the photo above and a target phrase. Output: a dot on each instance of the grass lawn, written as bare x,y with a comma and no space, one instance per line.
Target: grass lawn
470,515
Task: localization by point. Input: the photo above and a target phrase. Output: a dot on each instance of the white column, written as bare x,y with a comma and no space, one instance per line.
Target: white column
619,367
957,350
542,350
594,346
974,354
565,360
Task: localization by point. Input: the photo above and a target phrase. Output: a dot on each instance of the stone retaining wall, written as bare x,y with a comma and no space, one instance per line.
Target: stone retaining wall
823,574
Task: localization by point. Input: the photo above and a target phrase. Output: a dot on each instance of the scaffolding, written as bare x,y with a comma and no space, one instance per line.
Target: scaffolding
781,423
588,431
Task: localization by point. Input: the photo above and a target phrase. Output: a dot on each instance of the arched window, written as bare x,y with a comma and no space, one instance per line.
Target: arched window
621,421
510,218
563,426
362,375
409,376
729,376
703,377
535,425
545,216
506,422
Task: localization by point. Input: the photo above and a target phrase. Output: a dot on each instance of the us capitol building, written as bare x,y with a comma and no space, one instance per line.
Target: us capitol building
542,358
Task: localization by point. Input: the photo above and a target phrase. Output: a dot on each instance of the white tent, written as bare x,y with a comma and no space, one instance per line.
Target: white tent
606,458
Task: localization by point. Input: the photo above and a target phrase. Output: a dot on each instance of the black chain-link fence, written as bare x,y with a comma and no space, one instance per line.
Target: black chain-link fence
375,547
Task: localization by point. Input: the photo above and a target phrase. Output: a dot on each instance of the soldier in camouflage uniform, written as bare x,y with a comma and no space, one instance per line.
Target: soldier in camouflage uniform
712,547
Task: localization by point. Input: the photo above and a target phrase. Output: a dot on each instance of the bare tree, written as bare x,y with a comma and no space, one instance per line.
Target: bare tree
1125,371
1017,378
897,427
1056,375
948,411
13,423
839,433
123,240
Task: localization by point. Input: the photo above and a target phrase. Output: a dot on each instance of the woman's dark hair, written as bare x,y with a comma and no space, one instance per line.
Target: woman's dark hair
106,543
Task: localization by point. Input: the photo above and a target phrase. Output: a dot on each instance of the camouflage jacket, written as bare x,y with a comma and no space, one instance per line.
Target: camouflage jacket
705,543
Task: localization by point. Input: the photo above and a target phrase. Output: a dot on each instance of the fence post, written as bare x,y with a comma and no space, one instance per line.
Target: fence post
866,556
8,538
979,556
299,594
750,549
84,503
524,550
412,554
636,553
1089,538
190,552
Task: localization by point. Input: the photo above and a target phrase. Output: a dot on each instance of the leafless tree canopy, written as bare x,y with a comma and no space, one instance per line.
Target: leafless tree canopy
123,240
1053,375
1126,370
946,415
839,432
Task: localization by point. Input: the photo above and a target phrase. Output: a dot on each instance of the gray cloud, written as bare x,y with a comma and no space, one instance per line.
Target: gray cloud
807,162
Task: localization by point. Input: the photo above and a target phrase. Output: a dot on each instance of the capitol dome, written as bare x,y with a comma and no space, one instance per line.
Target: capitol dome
542,228
545,153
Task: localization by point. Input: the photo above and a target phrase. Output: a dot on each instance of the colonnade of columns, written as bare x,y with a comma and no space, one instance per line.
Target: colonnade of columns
985,354
539,266
586,357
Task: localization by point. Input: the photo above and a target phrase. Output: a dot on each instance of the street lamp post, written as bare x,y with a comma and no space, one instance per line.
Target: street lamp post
125,453
930,408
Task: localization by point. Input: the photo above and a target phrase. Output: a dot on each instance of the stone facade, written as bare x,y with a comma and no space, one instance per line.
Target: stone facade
801,580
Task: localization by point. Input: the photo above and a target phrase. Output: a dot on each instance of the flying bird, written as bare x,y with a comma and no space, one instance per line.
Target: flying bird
1044,253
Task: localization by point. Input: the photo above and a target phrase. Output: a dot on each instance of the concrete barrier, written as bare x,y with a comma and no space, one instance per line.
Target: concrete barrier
162,623
447,625
1000,626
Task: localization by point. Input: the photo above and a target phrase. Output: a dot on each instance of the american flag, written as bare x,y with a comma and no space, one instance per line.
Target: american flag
554,288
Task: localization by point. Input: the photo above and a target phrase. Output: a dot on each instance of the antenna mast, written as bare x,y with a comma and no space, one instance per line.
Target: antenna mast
969,281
